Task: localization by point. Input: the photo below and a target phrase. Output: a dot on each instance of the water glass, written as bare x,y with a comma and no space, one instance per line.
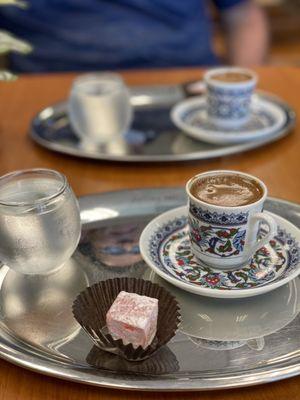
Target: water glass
39,221
99,107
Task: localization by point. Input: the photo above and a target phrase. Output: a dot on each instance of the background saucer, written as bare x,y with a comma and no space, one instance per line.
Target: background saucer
190,116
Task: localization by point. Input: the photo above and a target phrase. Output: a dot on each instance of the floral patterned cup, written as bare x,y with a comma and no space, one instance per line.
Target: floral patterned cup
227,237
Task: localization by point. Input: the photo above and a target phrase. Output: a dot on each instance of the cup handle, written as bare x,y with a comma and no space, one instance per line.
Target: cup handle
270,222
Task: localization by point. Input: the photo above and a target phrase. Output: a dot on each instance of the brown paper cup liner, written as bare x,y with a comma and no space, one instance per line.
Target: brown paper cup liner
162,362
91,306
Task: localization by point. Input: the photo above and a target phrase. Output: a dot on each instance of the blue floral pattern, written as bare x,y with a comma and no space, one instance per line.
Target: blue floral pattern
228,103
218,218
196,117
170,251
238,91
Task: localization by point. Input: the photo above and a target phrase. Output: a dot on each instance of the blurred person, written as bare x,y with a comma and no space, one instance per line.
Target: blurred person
81,35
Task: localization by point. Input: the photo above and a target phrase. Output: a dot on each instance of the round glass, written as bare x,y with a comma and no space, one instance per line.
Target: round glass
39,221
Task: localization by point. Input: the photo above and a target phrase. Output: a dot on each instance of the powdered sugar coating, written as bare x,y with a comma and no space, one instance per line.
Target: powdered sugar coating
133,318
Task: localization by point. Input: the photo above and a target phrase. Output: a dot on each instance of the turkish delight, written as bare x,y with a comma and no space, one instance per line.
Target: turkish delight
133,318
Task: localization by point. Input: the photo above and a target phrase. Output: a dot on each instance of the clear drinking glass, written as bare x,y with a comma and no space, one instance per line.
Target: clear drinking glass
99,107
39,221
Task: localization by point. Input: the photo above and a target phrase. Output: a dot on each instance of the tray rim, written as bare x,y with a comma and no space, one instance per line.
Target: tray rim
38,362
224,382
200,155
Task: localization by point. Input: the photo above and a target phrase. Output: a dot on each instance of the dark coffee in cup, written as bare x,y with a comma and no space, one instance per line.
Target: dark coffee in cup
227,190
232,77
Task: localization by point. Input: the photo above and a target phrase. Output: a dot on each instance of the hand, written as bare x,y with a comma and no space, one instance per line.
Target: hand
246,34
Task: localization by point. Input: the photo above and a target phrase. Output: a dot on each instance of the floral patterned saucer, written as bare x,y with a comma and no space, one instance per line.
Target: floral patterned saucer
165,247
265,119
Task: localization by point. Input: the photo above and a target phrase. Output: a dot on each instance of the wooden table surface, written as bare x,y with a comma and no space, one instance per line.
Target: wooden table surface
276,164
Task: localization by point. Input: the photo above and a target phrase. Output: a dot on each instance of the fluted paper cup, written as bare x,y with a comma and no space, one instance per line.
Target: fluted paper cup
162,362
91,306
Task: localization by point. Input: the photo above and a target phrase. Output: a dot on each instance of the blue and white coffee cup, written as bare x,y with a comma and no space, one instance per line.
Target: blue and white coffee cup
228,103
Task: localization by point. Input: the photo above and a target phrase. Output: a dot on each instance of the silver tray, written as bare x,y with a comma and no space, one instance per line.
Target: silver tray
222,343
153,137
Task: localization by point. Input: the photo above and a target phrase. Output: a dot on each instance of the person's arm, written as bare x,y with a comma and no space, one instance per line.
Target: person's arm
246,34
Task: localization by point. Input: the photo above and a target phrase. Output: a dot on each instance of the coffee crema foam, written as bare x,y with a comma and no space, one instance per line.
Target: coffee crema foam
226,190
233,77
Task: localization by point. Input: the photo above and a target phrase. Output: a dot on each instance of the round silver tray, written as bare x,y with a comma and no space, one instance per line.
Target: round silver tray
152,138
221,344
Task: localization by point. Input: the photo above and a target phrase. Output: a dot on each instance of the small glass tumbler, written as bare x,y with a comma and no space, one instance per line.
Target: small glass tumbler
39,221
99,108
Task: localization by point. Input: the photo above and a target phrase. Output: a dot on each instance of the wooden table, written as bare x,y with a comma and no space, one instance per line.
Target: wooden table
276,164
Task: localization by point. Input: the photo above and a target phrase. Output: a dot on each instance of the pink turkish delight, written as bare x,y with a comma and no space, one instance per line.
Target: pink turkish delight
133,318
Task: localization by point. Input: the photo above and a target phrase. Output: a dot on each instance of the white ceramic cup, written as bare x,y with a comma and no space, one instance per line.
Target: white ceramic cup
228,103
99,107
226,237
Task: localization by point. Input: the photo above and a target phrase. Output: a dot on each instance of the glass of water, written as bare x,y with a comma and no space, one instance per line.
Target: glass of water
99,107
39,221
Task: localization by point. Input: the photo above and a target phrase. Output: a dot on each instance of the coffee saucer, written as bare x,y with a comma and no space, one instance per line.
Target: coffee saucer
265,119
165,247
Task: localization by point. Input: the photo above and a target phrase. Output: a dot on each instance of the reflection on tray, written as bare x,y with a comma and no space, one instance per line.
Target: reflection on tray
147,126
37,308
217,324
254,344
114,249
162,362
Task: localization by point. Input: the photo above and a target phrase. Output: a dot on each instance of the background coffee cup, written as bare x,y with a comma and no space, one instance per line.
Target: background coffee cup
228,102
226,237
